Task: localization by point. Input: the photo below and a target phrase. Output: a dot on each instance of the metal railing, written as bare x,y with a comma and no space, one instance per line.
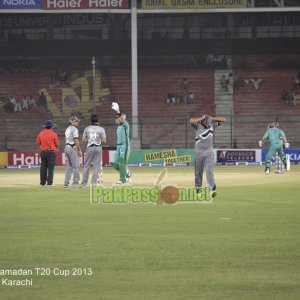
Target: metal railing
160,132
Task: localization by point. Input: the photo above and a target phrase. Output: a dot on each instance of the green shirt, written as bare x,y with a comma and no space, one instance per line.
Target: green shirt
273,135
123,134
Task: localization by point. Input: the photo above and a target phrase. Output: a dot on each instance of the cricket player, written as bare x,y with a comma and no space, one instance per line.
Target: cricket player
94,136
123,146
204,156
275,137
73,153
278,161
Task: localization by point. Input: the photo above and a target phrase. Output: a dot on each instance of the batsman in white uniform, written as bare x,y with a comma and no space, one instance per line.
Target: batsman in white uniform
94,136
204,156
72,153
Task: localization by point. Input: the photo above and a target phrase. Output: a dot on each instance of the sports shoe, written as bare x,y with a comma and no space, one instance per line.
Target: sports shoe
82,186
279,172
267,171
75,185
42,185
66,186
122,182
50,185
213,194
128,174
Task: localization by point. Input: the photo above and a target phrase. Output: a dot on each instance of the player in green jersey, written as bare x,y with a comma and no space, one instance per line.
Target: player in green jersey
123,146
275,137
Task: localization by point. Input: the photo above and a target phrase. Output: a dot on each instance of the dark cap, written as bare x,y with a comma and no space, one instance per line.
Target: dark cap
94,119
48,124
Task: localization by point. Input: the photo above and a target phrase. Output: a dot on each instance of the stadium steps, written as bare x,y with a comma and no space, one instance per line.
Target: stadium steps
23,139
224,104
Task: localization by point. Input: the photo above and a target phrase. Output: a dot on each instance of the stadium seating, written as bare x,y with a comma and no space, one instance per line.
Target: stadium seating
255,108
163,125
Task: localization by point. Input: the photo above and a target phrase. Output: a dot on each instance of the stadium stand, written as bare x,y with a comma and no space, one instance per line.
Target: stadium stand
163,125
111,84
255,108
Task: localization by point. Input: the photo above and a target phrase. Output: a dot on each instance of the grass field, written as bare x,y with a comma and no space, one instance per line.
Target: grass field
244,245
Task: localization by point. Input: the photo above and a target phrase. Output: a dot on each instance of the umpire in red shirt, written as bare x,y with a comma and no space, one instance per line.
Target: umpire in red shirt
48,141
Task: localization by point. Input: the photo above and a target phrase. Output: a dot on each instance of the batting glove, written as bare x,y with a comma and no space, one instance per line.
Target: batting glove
287,145
260,143
115,106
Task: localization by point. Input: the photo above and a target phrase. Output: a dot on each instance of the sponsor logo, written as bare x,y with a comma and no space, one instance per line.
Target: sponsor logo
84,4
20,4
130,194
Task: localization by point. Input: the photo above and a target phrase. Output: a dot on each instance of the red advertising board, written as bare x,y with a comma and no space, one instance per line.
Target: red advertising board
84,4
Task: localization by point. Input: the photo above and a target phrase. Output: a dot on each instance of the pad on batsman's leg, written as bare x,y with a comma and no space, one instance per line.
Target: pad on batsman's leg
288,162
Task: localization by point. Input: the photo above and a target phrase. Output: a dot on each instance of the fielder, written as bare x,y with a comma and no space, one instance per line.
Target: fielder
94,136
273,135
123,146
73,153
204,156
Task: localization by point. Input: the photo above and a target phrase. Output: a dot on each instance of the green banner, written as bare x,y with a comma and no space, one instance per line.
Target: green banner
167,156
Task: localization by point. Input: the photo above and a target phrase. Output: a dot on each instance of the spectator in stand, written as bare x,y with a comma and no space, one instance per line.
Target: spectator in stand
218,61
230,82
190,98
18,107
287,97
168,99
210,60
185,90
223,82
171,99
9,107
13,101
16,104
296,98
24,103
43,100
224,63
31,102
256,82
